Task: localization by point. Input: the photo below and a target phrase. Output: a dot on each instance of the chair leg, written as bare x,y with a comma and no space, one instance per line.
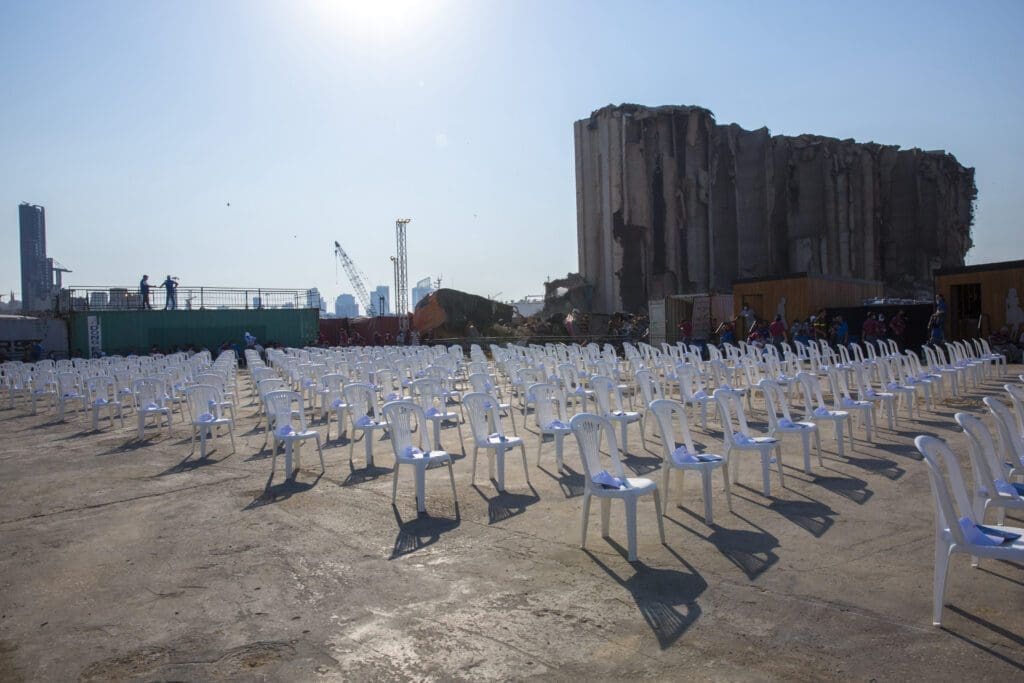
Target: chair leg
728,492
817,443
394,483
766,484
805,439
540,444
476,450
606,510
778,462
942,552
421,476
661,522
631,526
586,518
665,481
705,477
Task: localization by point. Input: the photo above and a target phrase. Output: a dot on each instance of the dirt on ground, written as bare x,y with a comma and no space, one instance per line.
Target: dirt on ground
137,560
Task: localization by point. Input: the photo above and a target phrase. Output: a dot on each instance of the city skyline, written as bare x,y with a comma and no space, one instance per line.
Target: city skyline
164,142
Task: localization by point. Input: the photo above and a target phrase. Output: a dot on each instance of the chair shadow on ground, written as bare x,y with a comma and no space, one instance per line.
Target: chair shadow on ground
356,477
810,515
276,493
753,552
132,444
192,462
640,464
887,468
420,532
850,488
570,481
504,505
666,598
995,629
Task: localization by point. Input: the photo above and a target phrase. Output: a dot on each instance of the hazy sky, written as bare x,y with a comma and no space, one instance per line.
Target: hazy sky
135,123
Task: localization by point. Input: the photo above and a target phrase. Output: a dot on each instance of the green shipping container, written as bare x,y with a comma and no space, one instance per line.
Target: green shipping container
124,332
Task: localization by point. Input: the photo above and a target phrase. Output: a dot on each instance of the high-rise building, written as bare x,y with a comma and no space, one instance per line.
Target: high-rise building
422,289
314,300
36,271
345,306
380,298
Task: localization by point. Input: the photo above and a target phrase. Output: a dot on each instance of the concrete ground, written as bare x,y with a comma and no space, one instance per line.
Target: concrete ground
125,560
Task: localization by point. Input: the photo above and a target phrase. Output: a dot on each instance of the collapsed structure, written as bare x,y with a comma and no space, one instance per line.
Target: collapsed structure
669,202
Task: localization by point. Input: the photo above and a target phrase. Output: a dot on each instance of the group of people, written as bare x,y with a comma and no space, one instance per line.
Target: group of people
170,284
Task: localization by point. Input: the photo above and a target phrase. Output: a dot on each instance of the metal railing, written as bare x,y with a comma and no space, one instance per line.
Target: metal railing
191,298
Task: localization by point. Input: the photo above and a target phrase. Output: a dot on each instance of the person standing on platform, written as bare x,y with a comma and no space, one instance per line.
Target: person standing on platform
144,293
171,285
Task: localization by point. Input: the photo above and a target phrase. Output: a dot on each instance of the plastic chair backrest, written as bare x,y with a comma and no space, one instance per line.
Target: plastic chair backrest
280,409
664,410
362,400
1011,440
590,430
203,398
483,412
730,404
982,450
945,488
401,416
549,403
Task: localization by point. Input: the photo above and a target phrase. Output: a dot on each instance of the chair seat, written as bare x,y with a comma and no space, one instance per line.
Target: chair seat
754,441
627,415
635,486
797,427
495,440
416,456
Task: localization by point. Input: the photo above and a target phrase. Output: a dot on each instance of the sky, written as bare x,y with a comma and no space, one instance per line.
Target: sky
231,142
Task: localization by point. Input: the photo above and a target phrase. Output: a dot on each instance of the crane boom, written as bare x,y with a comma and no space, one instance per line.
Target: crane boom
355,278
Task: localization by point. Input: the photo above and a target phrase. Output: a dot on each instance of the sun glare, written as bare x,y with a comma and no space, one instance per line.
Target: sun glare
377,18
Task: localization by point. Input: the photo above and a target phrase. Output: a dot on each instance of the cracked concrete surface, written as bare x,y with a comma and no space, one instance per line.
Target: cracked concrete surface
128,561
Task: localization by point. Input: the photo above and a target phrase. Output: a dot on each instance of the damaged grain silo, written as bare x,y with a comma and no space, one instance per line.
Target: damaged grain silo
669,202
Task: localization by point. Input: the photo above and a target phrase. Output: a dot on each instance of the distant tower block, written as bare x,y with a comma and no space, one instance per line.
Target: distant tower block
402,269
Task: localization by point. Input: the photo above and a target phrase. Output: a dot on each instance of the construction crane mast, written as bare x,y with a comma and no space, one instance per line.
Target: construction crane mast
401,268
355,278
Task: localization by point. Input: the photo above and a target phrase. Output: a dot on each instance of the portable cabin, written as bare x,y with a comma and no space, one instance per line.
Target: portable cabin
982,298
800,294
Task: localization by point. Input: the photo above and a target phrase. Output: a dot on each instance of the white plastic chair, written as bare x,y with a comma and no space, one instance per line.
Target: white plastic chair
842,400
589,430
44,387
1016,393
1011,442
103,393
205,405
362,401
956,527
401,417
780,422
287,414
332,401
608,399
685,457
692,391
481,382
816,411
866,392
70,390
429,395
990,488
483,415
740,440
551,415
150,398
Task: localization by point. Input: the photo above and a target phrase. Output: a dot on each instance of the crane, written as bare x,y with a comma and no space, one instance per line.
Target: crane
355,278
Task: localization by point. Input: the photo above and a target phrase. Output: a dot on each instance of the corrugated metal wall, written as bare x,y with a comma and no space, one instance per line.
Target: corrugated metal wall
138,331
